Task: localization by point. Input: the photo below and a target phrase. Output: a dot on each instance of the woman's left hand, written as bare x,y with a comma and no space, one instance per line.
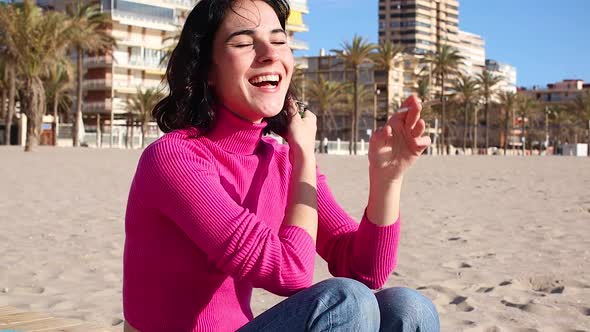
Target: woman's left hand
396,146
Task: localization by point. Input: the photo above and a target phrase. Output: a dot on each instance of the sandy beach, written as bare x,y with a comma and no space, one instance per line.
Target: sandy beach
498,243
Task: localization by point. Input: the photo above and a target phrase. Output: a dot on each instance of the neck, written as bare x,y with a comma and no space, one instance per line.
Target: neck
235,134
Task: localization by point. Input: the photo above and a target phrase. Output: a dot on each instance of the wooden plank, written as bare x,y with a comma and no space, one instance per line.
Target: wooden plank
43,325
22,317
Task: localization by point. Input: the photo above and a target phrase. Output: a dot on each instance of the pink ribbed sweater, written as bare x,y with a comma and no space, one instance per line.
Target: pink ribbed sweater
204,226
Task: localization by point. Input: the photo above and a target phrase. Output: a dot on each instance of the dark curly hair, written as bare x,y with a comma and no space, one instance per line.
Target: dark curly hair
190,101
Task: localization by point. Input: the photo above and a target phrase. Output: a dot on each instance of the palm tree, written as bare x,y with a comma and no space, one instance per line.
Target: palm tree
444,62
384,59
325,94
9,55
525,106
346,101
39,41
354,54
582,106
423,89
507,101
57,84
487,81
466,94
87,35
3,88
142,104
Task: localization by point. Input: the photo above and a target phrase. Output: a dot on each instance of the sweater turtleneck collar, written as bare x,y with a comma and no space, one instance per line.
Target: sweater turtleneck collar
234,134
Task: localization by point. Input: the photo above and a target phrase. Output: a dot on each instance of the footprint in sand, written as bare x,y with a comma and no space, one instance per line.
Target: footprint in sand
584,311
468,323
27,290
532,308
505,283
461,303
457,265
457,239
484,289
446,296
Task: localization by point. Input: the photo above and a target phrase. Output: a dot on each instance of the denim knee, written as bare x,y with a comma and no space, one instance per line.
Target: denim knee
405,309
355,304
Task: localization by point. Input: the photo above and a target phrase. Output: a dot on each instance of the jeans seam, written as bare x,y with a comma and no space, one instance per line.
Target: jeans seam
327,312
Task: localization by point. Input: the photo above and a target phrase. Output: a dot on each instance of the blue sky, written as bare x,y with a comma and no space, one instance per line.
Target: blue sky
547,40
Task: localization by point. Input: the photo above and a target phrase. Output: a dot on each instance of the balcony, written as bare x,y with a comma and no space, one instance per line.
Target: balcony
152,22
297,27
186,4
98,61
97,84
152,65
131,86
296,44
97,106
299,5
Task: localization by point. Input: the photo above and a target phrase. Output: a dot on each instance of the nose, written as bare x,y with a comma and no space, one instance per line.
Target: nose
266,52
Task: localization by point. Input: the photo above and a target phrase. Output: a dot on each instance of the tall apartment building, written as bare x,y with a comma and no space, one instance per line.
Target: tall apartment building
419,25
472,49
331,68
506,72
142,29
295,24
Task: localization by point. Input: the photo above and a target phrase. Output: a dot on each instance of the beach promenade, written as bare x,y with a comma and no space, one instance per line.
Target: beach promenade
498,243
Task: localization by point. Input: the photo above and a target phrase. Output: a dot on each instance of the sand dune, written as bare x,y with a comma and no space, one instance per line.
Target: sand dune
499,244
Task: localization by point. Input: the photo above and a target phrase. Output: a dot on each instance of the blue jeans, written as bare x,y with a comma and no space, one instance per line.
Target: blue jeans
342,304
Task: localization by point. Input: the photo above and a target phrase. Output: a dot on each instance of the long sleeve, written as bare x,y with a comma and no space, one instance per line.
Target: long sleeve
362,251
180,180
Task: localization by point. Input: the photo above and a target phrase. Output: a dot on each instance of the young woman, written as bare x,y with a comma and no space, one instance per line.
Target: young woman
216,209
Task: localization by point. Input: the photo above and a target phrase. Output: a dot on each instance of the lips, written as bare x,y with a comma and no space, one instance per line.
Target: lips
267,80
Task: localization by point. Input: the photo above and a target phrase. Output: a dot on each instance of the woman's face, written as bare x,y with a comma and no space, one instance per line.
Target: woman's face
252,64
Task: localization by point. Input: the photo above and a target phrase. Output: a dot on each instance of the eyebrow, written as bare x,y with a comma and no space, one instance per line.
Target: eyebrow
250,32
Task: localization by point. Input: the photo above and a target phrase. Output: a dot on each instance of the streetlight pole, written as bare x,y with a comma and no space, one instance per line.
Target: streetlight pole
376,92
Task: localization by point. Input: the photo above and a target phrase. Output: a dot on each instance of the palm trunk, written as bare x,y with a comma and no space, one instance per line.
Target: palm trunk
466,127
356,109
132,133
442,121
322,126
33,105
475,131
523,135
3,105
55,118
487,125
78,117
11,104
506,130
144,125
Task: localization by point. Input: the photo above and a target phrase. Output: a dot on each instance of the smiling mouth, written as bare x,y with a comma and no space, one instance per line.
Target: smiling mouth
267,81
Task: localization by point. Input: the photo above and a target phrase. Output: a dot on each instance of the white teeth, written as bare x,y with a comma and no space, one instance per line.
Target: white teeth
265,78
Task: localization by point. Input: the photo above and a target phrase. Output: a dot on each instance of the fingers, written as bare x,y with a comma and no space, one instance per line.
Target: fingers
418,129
423,142
413,115
308,116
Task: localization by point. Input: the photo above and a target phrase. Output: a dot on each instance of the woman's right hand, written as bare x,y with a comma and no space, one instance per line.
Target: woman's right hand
301,130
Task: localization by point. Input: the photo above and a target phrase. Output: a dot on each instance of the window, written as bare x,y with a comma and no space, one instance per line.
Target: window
381,16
